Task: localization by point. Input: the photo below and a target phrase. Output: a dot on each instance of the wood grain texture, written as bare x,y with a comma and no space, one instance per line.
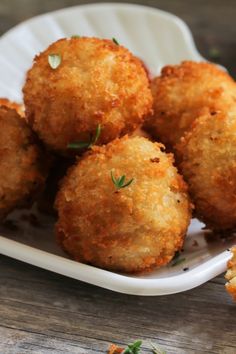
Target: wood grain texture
42,313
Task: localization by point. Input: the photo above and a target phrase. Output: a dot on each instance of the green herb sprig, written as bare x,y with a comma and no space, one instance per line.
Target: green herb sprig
120,181
75,36
133,348
54,60
86,144
115,41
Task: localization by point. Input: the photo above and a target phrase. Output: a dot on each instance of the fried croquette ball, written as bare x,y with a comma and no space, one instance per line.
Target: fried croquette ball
130,229
96,83
13,105
231,274
208,164
180,94
22,163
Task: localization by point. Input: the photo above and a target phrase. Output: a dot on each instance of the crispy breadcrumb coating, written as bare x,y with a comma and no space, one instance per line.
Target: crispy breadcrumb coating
96,82
208,154
19,107
131,229
231,274
181,92
23,166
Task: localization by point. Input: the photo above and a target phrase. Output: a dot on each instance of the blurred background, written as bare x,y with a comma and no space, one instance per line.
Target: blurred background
211,22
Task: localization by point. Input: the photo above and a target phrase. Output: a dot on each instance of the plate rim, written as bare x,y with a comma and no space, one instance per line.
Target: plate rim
189,40
114,281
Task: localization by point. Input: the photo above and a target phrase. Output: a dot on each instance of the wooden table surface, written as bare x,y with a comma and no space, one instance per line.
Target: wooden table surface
42,313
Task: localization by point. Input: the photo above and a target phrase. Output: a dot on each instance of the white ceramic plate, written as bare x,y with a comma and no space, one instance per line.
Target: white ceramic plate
157,37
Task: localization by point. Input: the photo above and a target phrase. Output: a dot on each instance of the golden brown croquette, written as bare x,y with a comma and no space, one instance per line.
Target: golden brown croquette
23,166
181,92
96,82
130,229
208,155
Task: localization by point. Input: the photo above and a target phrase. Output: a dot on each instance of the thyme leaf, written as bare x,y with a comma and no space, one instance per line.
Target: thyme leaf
133,348
54,60
115,41
86,144
96,136
120,181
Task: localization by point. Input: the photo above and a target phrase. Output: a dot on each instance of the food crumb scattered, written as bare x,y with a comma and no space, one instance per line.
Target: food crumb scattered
115,349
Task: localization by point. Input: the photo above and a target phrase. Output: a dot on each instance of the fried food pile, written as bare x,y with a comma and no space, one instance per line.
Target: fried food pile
122,203
195,116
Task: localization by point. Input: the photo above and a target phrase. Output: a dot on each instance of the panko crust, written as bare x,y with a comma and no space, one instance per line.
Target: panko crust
23,166
208,163
19,107
97,82
180,95
231,274
130,230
